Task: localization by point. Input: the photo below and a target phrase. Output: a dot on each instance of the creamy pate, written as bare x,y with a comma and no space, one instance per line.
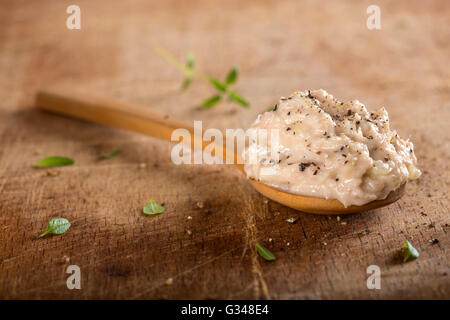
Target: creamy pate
331,149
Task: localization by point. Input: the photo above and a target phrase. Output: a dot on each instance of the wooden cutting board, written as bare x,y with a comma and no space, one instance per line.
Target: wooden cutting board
203,245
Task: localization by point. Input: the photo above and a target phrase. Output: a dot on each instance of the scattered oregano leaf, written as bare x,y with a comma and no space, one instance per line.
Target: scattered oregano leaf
152,208
265,253
411,253
54,161
111,154
56,226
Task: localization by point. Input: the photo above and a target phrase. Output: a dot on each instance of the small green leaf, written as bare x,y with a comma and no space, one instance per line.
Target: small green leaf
265,253
190,61
112,154
56,226
272,108
152,207
410,252
232,75
54,162
208,103
237,98
186,84
222,87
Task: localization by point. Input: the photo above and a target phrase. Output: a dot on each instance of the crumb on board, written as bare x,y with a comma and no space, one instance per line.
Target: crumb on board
200,204
291,220
52,173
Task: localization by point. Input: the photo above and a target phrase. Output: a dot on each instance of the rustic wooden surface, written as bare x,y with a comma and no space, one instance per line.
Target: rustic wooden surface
280,47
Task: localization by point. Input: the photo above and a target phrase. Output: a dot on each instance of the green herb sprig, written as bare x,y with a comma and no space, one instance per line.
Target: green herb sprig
265,253
153,208
272,108
224,88
56,226
189,71
54,161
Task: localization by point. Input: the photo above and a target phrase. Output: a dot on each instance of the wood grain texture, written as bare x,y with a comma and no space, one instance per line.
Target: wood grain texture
280,47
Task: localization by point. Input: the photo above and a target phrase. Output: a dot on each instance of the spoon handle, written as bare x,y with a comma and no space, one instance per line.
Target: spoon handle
121,115
110,112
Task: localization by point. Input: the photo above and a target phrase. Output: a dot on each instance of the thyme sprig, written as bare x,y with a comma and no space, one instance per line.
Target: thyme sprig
224,88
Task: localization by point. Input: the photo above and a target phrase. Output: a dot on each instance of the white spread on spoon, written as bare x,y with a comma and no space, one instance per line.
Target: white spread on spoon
331,149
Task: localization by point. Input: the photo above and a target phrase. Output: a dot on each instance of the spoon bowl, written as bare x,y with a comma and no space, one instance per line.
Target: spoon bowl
320,205
143,120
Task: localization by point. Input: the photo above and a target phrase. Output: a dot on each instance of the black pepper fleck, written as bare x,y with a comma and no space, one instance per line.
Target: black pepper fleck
304,165
434,241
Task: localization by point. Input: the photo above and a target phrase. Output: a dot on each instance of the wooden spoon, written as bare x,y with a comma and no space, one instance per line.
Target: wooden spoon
146,121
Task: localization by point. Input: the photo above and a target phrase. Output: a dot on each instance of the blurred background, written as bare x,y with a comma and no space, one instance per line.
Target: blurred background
279,47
